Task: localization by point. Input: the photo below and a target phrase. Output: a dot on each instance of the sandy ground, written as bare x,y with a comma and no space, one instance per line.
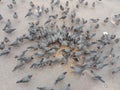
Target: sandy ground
46,76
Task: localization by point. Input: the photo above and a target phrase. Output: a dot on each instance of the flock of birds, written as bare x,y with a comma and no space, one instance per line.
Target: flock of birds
83,49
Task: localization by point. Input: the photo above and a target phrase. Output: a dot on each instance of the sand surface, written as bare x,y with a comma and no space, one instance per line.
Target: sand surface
46,76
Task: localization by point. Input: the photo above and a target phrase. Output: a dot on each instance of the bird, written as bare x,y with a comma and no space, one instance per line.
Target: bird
67,87
81,1
25,59
77,59
35,47
117,40
65,12
78,53
94,20
32,4
29,13
1,17
52,51
8,24
5,52
14,2
86,3
48,21
53,16
73,14
116,70
16,42
97,26
101,66
2,45
38,9
9,30
106,20
77,6
6,40
25,79
67,3
46,10
18,66
15,16
44,88
52,6
52,1
93,4
61,8
57,2
39,54
22,54
10,6
97,77
79,69
60,77
34,65
63,17
84,21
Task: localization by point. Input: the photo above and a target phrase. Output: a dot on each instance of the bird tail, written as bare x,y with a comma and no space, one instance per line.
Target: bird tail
1,54
18,82
39,88
56,82
13,69
13,29
32,66
26,16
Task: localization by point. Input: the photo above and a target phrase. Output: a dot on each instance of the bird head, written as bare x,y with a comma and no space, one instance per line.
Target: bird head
69,85
65,73
32,57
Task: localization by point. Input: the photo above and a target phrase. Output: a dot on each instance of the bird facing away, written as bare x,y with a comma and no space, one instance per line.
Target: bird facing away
5,52
25,79
97,77
60,77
